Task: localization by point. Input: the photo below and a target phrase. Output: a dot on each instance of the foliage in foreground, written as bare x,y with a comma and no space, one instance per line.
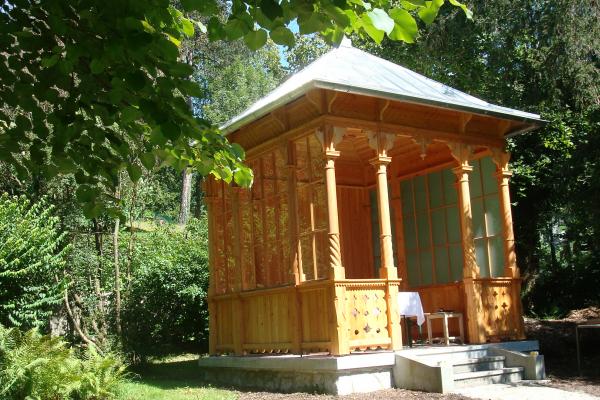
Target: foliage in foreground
36,366
32,254
166,308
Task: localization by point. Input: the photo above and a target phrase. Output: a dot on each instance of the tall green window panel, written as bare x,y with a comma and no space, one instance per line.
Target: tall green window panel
487,223
431,229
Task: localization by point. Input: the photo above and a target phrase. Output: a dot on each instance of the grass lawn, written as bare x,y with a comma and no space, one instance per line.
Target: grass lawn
171,379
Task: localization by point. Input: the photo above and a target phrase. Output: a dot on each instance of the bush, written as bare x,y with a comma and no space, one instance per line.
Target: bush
166,307
32,255
36,366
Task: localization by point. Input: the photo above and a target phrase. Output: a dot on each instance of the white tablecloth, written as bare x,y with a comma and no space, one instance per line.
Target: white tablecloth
409,304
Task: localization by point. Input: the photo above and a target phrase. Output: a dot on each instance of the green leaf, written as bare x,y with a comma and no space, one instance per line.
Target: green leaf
283,36
428,13
235,29
148,160
190,88
243,177
171,130
372,31
204,7
215,29
188,27
381,20
256,39
50,61
338,15
468,13
134,171
271,9
405,27
314,23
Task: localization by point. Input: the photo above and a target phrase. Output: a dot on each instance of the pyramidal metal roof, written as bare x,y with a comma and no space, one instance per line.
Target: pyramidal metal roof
348,69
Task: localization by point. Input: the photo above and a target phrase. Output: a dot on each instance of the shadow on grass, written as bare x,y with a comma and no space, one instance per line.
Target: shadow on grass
170,374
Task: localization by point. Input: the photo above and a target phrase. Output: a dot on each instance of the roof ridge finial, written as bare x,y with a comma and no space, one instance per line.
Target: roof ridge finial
346,42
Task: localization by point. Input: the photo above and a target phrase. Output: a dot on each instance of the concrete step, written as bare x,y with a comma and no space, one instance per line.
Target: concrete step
477,378
457,355
478,364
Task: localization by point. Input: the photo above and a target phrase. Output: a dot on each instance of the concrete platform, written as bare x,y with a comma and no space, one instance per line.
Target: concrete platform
431,368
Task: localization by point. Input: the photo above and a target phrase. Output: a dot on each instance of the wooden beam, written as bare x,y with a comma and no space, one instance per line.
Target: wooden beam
464,121
409,131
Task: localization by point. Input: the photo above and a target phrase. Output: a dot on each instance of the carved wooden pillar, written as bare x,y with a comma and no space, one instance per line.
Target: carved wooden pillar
210,199
329,137
473,303
382,142
511,269
237,316
503,174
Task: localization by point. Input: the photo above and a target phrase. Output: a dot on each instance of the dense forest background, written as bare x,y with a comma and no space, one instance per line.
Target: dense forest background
138,283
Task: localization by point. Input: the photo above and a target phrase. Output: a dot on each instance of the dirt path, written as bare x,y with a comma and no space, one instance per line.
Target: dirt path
391,394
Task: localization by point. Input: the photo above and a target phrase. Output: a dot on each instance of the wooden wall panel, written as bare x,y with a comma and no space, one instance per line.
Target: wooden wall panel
267,323
355,232
315,305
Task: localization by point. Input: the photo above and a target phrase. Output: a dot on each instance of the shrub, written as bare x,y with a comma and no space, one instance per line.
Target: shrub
166,309
32,252
36,366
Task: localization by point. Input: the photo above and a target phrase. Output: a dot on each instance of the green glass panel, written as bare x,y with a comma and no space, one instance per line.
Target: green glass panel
496,257
441,265
478,218
456,261
436,198
407,199
412,265
450,192
438,226
423,230
475,179
493,223
453,225
420,193
426,262
410,234
482,257
488,174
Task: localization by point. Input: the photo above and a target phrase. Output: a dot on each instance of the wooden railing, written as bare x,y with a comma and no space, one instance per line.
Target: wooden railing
295,319
502,315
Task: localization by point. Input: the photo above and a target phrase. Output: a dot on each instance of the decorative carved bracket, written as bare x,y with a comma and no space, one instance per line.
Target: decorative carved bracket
461,152
329,138
464,121
381,142
501,159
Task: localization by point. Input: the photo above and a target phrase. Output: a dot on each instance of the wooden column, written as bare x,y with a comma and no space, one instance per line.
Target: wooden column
503,174
473,303
501,158
237,306
382,143
329,138
210,199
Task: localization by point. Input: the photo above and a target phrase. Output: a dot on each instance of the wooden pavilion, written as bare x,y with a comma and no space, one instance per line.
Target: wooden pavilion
369,179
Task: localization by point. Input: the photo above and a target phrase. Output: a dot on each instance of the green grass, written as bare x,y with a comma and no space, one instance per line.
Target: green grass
171,379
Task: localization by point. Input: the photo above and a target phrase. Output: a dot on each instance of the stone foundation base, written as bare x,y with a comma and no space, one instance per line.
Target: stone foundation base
311,374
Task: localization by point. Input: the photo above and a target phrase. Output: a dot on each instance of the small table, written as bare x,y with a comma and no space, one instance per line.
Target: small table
444,316
409,305
592,324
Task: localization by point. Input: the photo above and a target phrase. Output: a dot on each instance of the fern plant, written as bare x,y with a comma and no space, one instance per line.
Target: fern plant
35,366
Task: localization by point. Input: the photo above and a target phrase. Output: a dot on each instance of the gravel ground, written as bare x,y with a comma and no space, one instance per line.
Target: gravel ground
576,384
382,394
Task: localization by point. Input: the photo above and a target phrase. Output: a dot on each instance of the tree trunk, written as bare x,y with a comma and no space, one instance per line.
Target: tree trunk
186,196
117,267
98,238
198,195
